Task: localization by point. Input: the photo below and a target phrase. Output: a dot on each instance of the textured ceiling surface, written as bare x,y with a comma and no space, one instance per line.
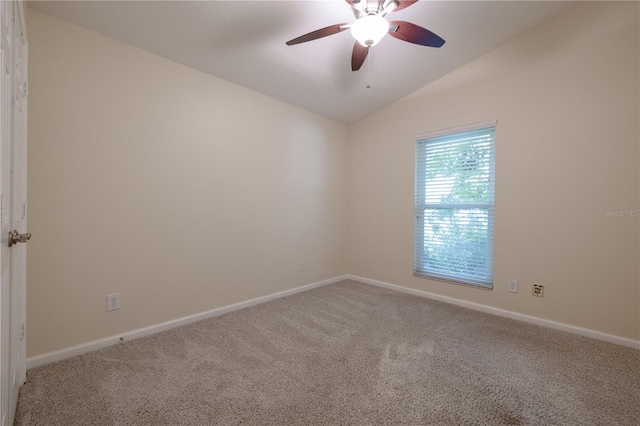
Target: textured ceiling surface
244,42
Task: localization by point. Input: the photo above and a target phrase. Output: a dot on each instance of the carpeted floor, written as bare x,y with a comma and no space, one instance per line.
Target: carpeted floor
343,354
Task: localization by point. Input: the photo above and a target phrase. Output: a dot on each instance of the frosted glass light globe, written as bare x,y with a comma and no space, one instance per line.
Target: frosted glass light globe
369,29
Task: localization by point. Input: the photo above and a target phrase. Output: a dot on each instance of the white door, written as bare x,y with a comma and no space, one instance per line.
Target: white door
13,213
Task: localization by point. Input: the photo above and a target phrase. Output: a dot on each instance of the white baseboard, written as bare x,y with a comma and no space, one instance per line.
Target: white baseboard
146,331
504,313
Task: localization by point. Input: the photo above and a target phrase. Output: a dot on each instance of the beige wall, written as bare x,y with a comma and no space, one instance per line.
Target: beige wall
180,191
184,192
567,147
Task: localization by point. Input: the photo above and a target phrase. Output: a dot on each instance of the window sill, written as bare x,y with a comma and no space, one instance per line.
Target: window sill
451,281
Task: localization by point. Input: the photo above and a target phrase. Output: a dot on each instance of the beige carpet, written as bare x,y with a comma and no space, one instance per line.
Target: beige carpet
343,354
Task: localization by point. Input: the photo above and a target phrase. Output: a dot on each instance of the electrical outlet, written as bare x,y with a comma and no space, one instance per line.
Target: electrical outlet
113,302
303,265
513,286
538,290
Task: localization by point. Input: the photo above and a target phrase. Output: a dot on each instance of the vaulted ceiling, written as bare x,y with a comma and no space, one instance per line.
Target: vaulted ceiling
244,42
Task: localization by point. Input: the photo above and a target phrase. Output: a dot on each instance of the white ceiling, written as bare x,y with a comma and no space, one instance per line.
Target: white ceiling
244,42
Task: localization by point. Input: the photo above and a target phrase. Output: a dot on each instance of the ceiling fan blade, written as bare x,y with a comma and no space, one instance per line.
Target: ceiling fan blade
360,53
414,34
322,32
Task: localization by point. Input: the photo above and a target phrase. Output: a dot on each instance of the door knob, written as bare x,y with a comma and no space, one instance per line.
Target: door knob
15,238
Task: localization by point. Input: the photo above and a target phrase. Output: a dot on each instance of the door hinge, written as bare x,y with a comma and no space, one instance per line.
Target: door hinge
24,210
25,89
22,332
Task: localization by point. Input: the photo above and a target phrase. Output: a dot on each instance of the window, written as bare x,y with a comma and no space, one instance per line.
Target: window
454,196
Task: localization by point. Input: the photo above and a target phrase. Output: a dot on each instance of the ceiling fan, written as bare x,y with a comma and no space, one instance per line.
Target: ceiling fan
371,26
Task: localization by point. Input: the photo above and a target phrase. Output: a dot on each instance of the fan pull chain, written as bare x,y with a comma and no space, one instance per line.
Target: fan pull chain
369,68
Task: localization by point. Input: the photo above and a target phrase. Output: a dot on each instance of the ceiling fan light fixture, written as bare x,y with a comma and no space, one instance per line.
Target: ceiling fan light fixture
371,26
369,29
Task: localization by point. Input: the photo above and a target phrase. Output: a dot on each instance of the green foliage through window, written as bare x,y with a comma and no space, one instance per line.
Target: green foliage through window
454,206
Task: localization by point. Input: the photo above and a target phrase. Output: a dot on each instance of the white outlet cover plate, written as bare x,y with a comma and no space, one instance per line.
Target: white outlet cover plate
512,286
113,302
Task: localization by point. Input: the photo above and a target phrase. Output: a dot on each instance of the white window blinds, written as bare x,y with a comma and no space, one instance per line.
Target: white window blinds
454,198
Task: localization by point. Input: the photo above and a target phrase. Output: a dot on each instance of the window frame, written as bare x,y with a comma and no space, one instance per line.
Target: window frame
420,193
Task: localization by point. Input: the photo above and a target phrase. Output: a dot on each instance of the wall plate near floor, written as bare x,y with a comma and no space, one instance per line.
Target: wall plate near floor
538,289
113,302
512,286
